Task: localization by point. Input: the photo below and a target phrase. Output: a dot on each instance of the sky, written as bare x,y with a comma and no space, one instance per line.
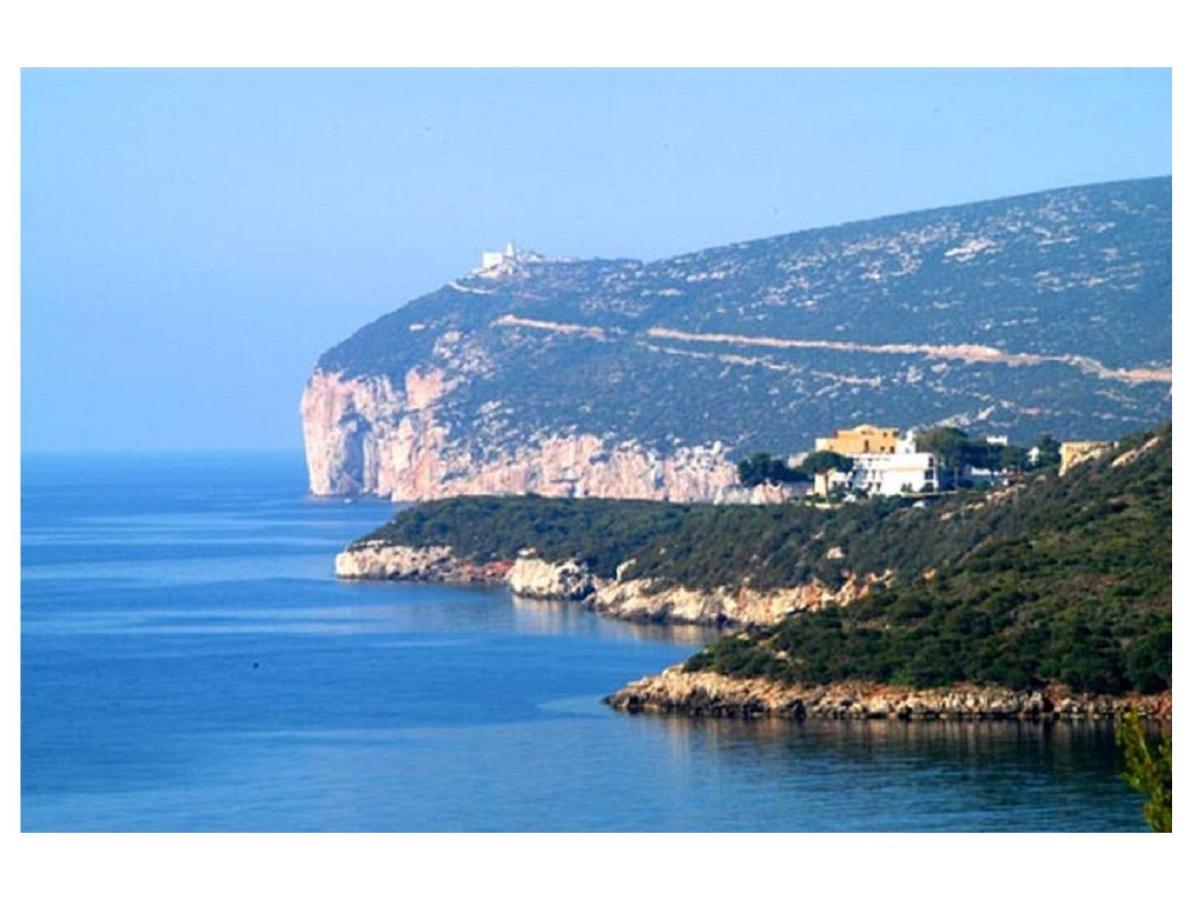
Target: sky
192,240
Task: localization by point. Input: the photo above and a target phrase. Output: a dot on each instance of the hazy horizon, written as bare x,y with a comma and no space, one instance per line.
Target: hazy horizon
192,240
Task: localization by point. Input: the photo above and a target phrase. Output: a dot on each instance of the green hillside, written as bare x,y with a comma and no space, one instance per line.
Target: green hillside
651,352
1065,579
1069,581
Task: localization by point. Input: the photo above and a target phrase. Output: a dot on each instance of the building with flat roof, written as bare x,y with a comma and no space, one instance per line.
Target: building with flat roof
492,258
884,475
861,439
890,474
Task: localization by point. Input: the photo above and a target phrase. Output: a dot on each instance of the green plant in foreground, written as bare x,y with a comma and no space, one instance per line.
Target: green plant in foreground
1147,768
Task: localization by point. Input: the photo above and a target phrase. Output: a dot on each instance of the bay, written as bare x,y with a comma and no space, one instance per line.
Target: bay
189,663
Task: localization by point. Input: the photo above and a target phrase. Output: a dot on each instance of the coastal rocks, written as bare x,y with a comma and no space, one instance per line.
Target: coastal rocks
369,435
712,695
635,599
376,559
642,599
379,560
541,580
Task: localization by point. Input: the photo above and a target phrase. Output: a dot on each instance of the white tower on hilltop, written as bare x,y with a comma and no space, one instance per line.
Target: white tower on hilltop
493,258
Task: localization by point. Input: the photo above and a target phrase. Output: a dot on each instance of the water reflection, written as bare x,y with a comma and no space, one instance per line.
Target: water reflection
889,775
567,617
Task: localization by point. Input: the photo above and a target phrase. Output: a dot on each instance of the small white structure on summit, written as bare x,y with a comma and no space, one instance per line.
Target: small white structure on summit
493,258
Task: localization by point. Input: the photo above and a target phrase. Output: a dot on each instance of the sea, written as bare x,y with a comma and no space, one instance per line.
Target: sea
190,663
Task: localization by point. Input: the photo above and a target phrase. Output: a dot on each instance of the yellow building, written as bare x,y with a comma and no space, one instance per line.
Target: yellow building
1072,453
861,439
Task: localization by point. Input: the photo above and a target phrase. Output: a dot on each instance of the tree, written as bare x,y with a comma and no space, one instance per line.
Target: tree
1048,452
824,461
1147,767
956,451
763,468
948,444
1014,457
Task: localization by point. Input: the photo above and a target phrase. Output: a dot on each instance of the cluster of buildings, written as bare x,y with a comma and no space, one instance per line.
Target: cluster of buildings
887,463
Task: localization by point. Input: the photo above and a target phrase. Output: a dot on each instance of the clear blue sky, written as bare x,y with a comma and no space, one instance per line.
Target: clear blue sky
193,240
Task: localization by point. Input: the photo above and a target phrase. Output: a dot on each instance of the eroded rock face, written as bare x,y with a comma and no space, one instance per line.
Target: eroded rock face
538,579
620,598
365,435
639,599
378,560
712,695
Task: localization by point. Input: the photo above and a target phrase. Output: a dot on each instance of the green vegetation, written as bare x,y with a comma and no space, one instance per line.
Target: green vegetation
700,545
1112,301
1068,581
602,533
1147,767
1060,579
1048,451
763,468
956,449
824,461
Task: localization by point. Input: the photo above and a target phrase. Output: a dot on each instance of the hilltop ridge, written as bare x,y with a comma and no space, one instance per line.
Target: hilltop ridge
619,378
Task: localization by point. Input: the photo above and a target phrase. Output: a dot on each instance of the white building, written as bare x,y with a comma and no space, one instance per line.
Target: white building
494,258
890,474
883,475
977,475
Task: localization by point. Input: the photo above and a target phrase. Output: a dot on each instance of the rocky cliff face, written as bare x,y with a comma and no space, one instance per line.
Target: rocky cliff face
376,560
711,695
363,435
620,598
619,378
638,599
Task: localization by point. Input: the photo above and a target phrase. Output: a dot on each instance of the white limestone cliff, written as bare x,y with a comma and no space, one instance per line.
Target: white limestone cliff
638,599
368,435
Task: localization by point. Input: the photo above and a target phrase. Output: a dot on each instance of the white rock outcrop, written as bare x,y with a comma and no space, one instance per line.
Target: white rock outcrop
638,599
541,580
368,435
380,560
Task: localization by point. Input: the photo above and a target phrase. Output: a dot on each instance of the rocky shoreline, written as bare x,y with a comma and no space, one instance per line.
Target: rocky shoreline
712,695
381,561
632,599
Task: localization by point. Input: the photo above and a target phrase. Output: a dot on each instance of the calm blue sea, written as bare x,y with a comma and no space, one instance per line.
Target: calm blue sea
190,663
